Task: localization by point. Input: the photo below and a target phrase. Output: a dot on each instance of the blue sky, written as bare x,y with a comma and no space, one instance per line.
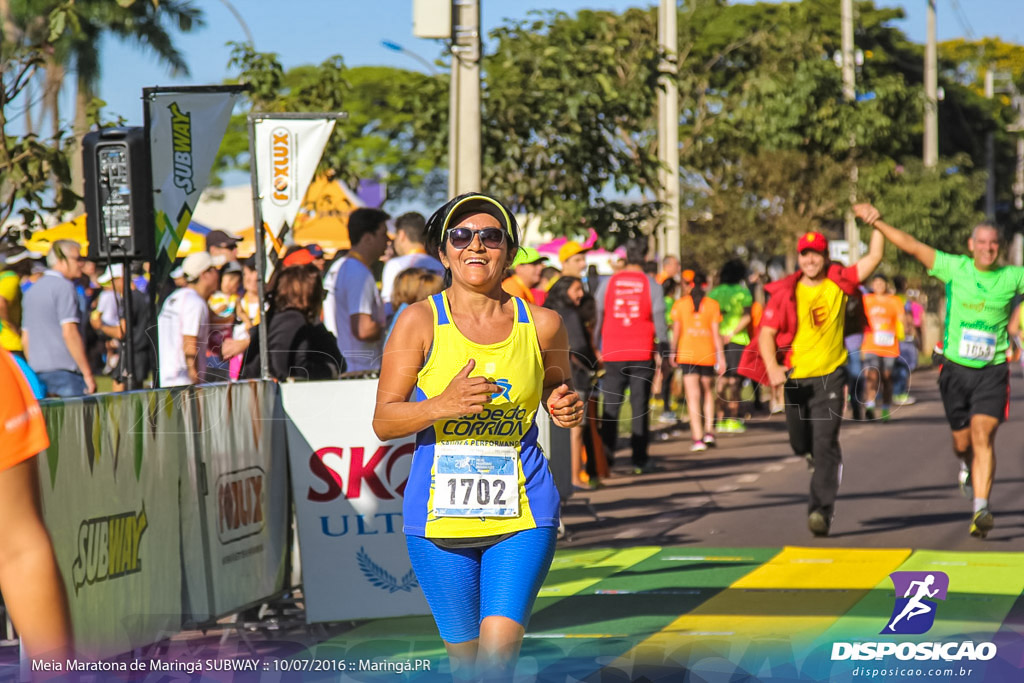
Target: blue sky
309,31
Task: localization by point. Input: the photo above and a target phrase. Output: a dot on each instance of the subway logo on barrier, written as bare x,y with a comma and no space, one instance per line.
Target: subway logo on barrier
282,149
240,504
108,548
344,471
181,145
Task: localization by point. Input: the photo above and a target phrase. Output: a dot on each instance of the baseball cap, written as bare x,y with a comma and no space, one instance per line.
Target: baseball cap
527,255
316,250
299,257
688,275
196,264
231,267
812,241
570,249
112,271
219,238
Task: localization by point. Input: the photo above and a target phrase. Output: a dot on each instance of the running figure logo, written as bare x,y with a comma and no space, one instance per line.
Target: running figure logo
914,613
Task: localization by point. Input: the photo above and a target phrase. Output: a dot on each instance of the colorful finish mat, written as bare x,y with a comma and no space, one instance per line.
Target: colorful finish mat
748,614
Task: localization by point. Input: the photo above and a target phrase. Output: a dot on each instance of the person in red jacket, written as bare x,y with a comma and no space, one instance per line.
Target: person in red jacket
630,326
804,321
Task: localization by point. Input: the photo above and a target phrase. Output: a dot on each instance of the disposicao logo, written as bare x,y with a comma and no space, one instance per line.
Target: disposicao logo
913,614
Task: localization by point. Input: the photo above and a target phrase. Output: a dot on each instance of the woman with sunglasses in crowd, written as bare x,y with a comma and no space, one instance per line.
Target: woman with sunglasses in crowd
466,371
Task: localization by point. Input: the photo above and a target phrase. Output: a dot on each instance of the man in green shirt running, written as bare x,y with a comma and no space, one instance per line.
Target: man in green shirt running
734,300
974,379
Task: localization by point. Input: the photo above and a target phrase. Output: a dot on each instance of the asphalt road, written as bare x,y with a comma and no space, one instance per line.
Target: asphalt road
898,489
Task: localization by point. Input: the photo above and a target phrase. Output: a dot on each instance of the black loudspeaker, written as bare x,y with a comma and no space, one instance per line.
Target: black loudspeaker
118,194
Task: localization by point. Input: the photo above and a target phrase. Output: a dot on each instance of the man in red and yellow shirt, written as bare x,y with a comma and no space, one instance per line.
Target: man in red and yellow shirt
881,345
804,318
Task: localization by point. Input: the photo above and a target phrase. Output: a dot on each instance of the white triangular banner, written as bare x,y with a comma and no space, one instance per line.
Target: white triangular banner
287,154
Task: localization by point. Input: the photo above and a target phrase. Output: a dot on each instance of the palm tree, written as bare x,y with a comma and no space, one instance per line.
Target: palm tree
76,49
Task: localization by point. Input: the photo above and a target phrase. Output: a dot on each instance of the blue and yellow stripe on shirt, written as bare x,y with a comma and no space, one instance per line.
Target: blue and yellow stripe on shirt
517,366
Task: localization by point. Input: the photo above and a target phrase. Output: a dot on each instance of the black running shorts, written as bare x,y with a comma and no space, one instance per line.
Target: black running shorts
974,391
702,370
733,354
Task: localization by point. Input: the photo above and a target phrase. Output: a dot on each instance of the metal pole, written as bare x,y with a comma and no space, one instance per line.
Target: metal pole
453,124
261,256
931,93
466,60
668,124
850,231
990,151
129,328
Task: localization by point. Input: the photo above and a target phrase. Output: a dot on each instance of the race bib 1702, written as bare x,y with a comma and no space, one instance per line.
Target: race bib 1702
476,481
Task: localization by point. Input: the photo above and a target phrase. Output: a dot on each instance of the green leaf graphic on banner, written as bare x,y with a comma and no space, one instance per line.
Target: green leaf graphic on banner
140,434
113,418
91,422
54,421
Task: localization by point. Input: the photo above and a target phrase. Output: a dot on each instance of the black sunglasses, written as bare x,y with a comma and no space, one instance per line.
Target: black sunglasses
460,238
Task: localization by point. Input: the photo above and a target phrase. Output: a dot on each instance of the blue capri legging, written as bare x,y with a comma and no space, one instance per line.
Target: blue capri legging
464,585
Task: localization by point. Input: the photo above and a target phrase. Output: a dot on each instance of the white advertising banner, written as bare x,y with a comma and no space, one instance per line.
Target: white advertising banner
348,489
185,132
287,152
110,500
244,491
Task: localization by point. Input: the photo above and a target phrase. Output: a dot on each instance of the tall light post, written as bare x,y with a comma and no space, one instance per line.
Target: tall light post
850,231
464,154
668,128
245,26
395,47
931,92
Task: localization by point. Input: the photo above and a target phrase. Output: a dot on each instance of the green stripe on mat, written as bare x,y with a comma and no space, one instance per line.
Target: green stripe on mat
610,617
983,588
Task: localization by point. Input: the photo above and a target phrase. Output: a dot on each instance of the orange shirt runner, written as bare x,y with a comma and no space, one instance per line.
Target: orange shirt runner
22,430
696,344
884,313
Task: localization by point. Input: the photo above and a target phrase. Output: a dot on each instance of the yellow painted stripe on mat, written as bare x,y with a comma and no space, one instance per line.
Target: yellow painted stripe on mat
825,568
599,565
795,596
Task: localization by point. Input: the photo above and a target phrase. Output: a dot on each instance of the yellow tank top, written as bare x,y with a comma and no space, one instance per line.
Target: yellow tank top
441,505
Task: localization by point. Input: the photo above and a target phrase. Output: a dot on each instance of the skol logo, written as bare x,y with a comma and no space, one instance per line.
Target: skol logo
240,504
108,548
913,613
181,145
346,470
281,146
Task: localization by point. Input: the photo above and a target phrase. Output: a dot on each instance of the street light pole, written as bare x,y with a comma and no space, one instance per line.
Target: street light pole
668,128
464,154
931,93
395,47
850,231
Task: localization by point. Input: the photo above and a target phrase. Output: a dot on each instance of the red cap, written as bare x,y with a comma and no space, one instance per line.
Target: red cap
298,258
813,241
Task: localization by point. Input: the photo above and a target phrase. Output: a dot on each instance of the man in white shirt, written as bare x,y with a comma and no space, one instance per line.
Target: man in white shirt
410,245
358,308
184,323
